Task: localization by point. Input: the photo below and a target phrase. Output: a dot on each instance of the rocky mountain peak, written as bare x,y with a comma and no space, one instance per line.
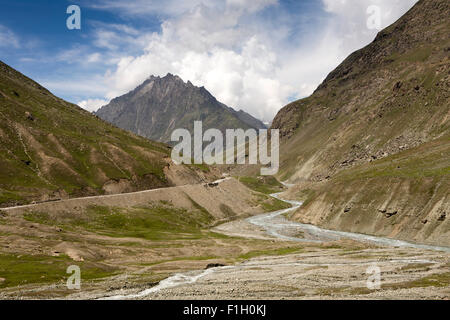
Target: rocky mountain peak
162,104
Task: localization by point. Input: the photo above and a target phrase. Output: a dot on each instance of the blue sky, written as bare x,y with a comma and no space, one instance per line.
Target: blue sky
254,55
48,51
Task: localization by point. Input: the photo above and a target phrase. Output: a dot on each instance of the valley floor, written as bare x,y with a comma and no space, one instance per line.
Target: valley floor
318,269
247,261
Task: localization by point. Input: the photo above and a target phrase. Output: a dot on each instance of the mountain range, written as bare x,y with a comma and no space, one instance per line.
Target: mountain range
368,151
367,155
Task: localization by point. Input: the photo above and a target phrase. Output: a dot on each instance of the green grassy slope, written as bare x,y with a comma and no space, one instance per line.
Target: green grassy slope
50,148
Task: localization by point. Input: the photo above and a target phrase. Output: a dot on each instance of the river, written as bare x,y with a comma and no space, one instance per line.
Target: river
276,225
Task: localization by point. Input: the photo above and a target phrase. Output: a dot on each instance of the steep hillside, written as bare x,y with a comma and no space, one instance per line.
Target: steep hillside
371,146
389,96
160,105
404,196
52,149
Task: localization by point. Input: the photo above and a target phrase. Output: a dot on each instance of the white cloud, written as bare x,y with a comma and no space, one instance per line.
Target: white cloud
115,37
210,47
244,60
349,18
8,38
250,5
93,86
93,58
92,104
147,7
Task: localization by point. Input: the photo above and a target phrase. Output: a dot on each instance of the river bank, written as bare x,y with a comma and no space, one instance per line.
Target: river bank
339,270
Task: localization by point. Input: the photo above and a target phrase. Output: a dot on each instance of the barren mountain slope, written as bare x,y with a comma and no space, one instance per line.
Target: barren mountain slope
160,105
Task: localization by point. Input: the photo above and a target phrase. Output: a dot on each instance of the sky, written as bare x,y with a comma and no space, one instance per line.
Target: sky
254,55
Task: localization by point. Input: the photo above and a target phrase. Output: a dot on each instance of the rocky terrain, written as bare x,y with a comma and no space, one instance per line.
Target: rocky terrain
160,105
336,271
370,149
